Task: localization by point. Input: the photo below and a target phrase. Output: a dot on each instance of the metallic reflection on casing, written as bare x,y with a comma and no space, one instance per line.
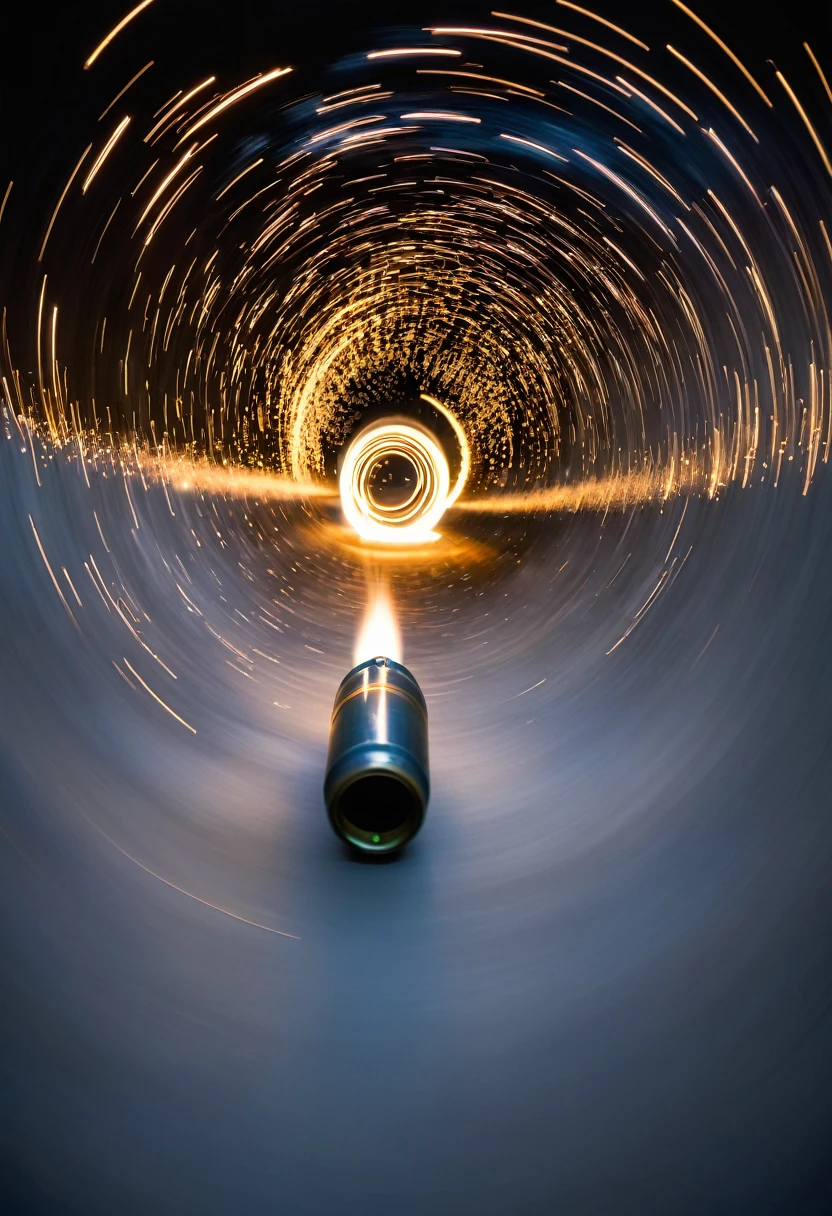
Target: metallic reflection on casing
377,787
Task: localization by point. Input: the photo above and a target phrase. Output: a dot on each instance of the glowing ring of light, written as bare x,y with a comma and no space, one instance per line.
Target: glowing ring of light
413,521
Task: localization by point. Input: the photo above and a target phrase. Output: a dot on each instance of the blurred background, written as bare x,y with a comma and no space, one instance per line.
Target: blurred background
598,980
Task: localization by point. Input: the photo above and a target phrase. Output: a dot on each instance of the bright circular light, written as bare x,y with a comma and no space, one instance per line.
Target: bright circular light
413,520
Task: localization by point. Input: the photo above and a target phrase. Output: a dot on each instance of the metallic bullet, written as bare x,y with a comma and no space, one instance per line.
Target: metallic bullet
377,787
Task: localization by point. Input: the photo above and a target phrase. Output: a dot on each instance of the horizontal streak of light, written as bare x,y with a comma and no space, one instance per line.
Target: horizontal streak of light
414,50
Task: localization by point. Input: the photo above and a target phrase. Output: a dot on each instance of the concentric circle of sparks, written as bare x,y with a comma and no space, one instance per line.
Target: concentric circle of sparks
413,520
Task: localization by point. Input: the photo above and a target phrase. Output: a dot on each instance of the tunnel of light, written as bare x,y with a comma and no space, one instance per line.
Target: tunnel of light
584,249
551,269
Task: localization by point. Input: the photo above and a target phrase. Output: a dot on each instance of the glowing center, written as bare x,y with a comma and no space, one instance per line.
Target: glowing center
395,484
379,633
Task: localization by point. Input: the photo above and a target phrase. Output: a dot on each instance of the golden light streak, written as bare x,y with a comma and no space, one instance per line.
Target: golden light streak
129,85
615,493
54,363
510,84
40,341
507,37
170,204
649,101
603,80
155,697
354,94
178,106
161,189
105,152
446,115
5,200
233,97
724,48
529,143
633,194
464,448
620,253
31,447
594,17
104,231
238,178
713,135
51,574
102,46
806,122
571,88
61,199
204,476
714,90
329,132
414,50
601,51
666,579
181,890
818,69
72,586
645,164
353,101
565,332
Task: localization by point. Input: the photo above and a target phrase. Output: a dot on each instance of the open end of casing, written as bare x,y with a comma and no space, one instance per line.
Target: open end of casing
377,812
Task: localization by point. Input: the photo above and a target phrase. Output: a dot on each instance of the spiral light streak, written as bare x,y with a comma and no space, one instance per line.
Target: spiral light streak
413,520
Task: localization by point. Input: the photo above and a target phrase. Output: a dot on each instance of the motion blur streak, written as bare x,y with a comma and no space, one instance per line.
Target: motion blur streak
379,633
592,276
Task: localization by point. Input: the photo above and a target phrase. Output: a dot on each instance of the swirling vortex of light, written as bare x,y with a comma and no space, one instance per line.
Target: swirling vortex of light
606,265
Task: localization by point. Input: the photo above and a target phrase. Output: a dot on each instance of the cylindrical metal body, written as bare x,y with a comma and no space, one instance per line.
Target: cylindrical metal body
376,787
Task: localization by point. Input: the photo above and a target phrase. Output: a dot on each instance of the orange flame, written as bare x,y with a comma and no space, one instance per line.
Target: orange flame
379,633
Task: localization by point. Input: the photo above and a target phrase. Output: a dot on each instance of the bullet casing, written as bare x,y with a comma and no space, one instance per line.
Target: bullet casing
377,787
